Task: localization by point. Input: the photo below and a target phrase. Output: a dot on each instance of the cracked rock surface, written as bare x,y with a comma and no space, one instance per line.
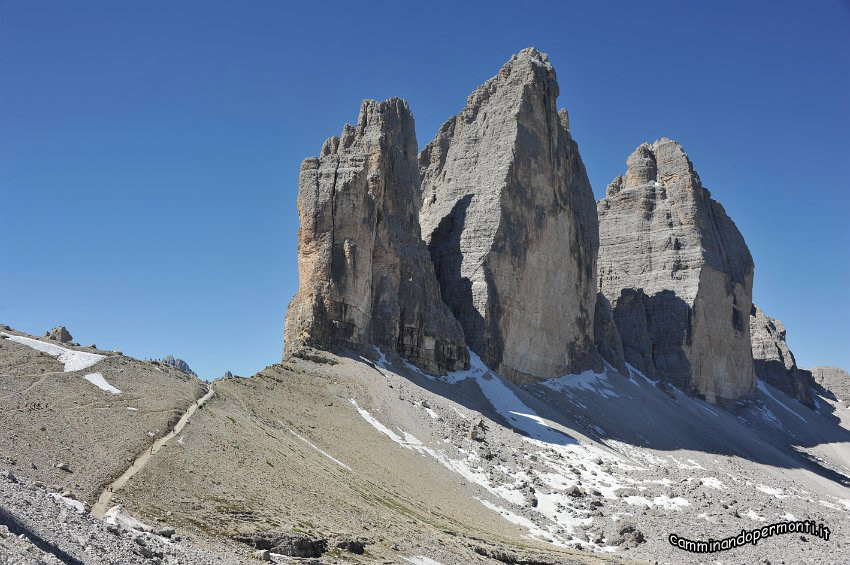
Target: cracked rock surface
678,274
365,277
508,215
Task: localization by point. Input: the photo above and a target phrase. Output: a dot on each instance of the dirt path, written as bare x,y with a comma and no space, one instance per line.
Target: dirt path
102,504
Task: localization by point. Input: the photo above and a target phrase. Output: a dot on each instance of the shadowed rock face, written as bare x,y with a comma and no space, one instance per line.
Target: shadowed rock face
364,273
678,274
508,215
607,337
773,361
834,382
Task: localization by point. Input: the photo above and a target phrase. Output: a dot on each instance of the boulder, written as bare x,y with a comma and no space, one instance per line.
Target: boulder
773,362
285,543
60,334
678,274
508,216
365,277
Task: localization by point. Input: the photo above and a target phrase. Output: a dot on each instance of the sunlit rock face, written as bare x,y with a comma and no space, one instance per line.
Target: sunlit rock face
365,277
678,274
508,215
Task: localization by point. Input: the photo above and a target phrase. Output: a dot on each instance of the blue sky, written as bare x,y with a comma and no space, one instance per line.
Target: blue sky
149,151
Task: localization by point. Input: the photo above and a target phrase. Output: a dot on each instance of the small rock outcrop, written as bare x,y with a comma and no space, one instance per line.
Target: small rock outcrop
678,274
508,216
178,364
365,277
285,543
773,361
60,334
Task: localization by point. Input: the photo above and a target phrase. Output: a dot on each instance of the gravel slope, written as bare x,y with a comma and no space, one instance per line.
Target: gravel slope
368,460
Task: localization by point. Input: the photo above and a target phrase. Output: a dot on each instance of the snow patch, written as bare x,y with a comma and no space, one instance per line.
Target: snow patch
457,466
712,482
751,514
777,492
767,415
328,455
663,501
633,372
588,381
72,359
78,506
421,560
118,516
691,464
382,359
97,380
507,404
763,388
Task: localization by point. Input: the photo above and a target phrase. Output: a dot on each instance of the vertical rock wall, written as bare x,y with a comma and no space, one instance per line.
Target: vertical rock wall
509,218
678,275
365,276
773,361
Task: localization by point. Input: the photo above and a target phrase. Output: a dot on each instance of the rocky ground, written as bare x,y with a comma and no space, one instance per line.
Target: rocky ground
355,459
77,418
40,526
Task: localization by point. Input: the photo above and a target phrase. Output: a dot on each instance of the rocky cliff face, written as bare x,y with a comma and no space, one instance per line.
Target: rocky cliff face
834,382
606,334
773,361
365,276
678,274
508,215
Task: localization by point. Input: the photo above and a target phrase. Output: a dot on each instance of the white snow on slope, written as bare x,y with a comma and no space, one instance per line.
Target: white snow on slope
751,514
767,414
633,372
532,528
763,388
78,506
712,482
118,516
72,359
588,381
97,380
328,455
382,359
777,492
421,560
460,467
664,501
507,404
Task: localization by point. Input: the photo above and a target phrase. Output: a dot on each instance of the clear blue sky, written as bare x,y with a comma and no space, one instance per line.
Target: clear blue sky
149,151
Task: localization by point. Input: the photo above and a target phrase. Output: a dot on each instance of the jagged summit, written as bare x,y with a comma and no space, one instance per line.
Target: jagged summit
178,364
678,274
508,215
364,273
